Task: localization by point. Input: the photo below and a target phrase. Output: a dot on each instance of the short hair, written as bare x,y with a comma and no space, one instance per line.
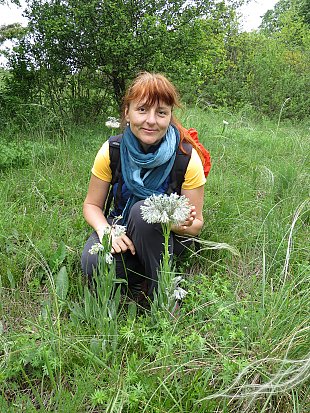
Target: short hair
150,88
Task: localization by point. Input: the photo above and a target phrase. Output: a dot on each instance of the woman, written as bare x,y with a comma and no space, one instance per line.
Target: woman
148,150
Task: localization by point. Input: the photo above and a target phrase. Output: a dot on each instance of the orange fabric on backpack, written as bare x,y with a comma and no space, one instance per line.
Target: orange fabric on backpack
206,155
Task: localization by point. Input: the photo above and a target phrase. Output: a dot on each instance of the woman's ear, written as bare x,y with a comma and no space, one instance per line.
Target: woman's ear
126,114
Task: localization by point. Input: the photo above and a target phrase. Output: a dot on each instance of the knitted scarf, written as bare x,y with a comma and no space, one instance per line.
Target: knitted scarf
145,172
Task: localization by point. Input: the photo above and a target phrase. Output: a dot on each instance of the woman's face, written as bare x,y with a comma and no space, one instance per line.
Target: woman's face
148,124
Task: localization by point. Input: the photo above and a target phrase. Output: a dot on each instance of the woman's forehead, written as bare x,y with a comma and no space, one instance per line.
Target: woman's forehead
147,102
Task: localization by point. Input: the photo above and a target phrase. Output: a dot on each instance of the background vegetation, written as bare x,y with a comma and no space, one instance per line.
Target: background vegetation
241,341
76,57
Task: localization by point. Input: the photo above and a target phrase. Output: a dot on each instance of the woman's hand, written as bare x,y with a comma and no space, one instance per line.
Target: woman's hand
121,244
182,228
194,222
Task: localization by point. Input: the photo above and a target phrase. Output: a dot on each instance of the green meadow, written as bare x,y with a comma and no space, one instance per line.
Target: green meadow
241,341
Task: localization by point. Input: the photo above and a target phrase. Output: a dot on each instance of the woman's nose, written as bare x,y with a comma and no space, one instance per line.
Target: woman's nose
151,118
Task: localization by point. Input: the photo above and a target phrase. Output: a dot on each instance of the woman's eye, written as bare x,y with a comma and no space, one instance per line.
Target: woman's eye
162,113
141,109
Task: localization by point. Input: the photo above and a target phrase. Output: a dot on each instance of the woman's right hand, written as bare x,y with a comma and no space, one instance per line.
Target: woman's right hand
121,244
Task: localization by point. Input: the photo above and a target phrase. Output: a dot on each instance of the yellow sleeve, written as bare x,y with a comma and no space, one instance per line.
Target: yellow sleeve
194,175
101,168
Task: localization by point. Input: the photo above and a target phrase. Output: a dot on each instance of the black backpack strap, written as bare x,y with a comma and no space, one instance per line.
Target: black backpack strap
177,174
115,165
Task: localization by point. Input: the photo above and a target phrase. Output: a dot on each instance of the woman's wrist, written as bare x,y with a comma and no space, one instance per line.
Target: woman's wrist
191,230
102,230
178,229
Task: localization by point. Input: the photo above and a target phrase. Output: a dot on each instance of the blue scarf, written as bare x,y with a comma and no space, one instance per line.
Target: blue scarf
144,173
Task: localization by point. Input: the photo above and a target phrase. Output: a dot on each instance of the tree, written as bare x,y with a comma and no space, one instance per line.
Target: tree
11,32
88,50
284,11
115,37
305,11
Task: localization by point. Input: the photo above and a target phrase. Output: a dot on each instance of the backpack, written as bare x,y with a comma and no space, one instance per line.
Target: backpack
206,155
177,174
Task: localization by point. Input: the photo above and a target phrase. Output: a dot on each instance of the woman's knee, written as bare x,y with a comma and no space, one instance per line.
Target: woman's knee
89,262
135,212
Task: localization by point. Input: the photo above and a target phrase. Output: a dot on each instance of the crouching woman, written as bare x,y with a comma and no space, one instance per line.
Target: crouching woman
151,144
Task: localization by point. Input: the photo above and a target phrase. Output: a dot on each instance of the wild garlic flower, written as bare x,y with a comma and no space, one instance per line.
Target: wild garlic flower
176,280
106,230
119,230
225,122
179,293
166,209
112,123
96,248
109,258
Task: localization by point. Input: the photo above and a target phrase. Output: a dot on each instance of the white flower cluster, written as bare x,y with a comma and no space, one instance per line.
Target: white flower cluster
108,258
166,209
178,292
112,123
119,230
96,248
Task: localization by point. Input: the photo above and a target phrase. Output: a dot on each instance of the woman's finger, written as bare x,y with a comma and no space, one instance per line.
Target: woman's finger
122,244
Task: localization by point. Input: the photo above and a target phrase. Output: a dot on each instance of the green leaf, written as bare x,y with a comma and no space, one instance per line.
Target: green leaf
132,310
11,279
62,283
87,303
59,255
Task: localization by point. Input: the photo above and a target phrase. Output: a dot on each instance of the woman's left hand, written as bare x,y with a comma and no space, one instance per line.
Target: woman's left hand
190,219
187,223
193,224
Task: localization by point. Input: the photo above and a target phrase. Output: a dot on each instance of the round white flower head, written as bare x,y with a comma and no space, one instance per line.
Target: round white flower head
179,293
166,209
112,123
225,122
119,230
96,248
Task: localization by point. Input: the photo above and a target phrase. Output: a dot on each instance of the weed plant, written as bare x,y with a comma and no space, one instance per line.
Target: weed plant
241,341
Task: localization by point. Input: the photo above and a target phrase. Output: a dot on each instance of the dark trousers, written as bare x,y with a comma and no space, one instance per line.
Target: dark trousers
141,268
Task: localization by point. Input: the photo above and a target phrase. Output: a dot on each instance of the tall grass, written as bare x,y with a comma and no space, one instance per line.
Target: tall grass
241,341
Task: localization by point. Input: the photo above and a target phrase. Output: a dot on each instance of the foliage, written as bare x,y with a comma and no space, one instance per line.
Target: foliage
284,11
76,57
265,69
11,31
81,55
88,51
17,154
264,73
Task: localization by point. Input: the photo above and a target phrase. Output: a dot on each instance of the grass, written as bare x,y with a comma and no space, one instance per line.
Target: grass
241,342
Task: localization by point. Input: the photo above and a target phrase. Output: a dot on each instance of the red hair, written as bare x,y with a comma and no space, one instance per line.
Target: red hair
150,88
